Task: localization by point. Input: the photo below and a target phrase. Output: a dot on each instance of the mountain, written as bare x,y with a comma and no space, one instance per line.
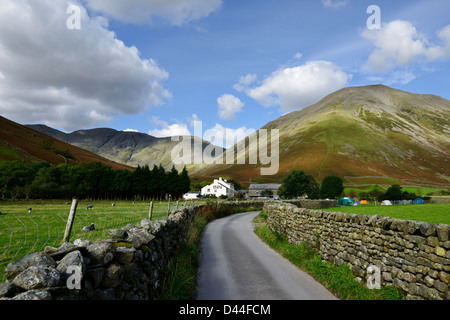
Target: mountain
130,148
19,142
365,135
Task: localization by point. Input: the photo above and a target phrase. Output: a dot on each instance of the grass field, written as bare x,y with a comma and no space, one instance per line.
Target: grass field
22,233
430,212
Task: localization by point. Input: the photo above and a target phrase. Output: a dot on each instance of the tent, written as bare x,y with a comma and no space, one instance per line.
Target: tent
386,203
364,202
345,201
419,201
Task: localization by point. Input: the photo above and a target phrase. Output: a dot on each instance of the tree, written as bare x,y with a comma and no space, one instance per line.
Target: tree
394,192
332,187
236,184
184,181
297,183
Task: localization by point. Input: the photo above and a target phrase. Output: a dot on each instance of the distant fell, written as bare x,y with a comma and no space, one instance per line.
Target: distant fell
129,148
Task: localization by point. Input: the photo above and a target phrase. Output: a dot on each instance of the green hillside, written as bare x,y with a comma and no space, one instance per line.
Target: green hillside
375,132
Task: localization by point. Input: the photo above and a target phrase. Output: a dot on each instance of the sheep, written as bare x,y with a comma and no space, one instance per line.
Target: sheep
89,228
91,206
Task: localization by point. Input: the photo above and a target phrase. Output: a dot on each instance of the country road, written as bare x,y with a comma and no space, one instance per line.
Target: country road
236,265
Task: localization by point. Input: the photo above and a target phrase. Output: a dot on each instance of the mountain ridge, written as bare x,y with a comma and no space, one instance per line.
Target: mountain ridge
130,148
360,131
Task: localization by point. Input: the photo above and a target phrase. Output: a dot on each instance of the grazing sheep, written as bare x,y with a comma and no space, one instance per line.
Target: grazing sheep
89,228
91,206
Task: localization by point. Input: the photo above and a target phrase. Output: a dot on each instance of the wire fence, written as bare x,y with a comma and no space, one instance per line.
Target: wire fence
23,232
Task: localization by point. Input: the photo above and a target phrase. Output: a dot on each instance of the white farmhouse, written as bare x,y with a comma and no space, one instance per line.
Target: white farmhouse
218,188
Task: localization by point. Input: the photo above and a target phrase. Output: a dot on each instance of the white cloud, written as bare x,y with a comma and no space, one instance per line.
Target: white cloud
130,130
335,3
176,12
226,137
298,56
228,106
70,78
175,129
395,77
298,87
245,81
399,44
217,135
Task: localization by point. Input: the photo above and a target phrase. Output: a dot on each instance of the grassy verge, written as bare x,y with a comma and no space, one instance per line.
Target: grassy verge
181,281
337,279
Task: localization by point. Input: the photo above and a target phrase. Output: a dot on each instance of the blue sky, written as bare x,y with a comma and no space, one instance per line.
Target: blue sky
155,66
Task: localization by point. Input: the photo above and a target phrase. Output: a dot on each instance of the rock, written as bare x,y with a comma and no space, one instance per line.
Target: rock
113,276
143,236
33,259
125,255
82,242
134,240
101,252
8,290
72,259
37,277
443,232
118,234
427,229
95,276
146,223
34,295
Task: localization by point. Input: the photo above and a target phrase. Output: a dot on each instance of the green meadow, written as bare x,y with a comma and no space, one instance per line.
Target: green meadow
430,212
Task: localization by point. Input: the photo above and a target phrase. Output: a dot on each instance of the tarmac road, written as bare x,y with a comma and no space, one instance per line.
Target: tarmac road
236,265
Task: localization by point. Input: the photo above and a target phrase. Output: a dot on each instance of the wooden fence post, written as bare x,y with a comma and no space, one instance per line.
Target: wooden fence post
150,212
73,210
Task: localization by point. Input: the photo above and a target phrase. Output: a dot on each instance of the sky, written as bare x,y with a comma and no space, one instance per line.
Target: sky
158,66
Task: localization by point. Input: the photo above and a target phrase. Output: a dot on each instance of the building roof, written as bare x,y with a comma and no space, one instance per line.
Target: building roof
264,186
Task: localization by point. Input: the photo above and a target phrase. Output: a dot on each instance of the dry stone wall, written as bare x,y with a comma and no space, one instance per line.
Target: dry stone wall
411,255
130,265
